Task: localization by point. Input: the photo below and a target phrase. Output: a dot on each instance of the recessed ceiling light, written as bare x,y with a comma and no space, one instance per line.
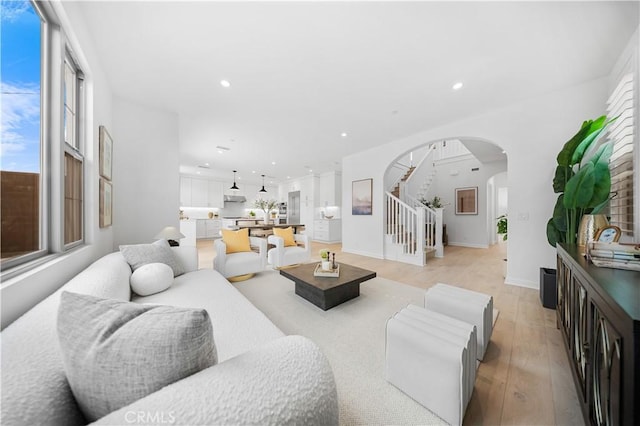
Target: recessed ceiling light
198,174
225,83
273,163
343,134
310,171
253,171
220,151
206,164
457,86
504,152
288,177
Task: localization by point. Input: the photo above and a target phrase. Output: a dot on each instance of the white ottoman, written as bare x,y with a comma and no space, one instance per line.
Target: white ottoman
428,357
465,305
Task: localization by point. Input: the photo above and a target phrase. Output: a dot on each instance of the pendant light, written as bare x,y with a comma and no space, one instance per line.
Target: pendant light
234,187
262,190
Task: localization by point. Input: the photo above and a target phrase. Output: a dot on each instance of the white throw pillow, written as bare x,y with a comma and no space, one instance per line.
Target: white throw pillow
116,352
151,278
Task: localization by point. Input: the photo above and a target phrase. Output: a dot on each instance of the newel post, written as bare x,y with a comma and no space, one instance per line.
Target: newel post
439,246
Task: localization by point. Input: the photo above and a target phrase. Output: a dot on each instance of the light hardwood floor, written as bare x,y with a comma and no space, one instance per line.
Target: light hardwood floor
525,377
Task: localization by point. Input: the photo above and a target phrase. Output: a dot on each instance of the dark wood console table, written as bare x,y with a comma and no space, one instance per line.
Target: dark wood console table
598,313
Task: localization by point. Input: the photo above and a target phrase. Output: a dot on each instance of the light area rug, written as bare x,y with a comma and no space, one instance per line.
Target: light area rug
352,336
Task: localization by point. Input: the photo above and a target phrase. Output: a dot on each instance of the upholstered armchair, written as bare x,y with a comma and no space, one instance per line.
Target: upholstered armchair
240,266
282,255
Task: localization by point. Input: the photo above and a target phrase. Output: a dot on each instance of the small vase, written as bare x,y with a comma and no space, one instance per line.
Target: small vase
326,265
589,225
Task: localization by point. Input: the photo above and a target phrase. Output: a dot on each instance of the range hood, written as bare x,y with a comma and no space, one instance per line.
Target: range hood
234,199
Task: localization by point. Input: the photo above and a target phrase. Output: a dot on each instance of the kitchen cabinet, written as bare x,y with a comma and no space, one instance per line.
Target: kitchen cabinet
212,228
199,193
215,196
208,228
598,313
327,230
330,189
188,229
185,191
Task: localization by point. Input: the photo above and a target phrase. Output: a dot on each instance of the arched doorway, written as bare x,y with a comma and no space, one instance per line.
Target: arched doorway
435,170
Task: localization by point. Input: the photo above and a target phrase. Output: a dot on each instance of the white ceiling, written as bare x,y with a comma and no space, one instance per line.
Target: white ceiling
302,73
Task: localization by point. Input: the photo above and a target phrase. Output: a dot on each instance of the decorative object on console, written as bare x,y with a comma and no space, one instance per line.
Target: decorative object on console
467,200
590,224
116,352
234,187
583,184
361,197
614,255
608,234
105,203
106,153
171,234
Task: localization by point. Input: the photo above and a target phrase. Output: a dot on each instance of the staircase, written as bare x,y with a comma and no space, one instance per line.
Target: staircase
412,232
396,189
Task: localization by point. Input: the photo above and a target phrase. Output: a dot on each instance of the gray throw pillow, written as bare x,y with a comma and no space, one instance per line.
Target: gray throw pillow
116,352
138,255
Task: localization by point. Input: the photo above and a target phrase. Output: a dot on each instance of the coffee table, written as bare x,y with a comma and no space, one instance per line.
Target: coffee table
327,292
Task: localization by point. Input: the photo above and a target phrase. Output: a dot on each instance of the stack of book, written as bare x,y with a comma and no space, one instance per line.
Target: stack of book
615,255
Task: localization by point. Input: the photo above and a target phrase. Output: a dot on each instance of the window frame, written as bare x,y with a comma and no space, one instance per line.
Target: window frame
55,50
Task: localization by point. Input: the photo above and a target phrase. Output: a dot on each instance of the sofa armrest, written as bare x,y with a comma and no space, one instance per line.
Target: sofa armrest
221,255
286,381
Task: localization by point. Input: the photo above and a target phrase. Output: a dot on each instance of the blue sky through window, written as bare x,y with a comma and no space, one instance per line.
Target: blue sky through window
20,32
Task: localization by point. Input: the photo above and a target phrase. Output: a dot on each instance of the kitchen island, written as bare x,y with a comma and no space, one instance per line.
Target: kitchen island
263,230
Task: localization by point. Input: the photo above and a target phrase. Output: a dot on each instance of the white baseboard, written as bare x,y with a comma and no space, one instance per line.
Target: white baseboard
522,283
363,253
470,245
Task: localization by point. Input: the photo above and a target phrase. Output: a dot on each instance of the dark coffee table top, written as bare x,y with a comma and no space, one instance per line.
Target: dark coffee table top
348,274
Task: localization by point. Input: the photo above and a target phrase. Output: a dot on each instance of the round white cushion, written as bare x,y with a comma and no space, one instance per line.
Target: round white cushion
151,278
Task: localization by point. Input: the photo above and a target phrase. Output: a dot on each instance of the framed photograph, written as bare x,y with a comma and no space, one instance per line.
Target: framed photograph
608,234
106,203
467,200
361,197
106,153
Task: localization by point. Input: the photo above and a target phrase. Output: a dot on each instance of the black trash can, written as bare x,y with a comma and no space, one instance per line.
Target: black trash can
548,293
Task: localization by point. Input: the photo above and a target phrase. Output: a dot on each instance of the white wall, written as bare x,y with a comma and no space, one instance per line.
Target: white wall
146,179
532,132
465,230
22,292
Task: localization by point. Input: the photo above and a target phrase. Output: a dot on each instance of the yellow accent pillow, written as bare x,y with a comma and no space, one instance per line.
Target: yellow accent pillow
236,241
286,234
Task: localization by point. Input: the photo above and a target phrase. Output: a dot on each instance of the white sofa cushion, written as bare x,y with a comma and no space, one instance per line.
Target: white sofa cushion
115,352
138,255
151,278
238,325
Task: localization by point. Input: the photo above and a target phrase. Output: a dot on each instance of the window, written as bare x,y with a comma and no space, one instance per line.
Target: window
21,167
42,136
622,135
73,159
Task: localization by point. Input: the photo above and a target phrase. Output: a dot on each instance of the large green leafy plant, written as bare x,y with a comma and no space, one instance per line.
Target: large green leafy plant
583,184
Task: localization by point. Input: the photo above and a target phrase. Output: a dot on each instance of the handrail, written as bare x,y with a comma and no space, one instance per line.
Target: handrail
431,149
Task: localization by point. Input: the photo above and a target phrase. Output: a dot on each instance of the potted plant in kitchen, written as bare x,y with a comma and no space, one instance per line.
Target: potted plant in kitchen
266,206
252,214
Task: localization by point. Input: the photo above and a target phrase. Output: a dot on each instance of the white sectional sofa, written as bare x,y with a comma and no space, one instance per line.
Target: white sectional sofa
262,376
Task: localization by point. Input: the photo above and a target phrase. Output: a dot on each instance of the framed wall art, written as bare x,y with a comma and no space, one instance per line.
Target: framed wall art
361,197
467,200
106,153
106,203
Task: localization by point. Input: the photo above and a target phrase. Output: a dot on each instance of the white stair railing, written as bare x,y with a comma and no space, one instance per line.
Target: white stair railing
404,225
407,215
